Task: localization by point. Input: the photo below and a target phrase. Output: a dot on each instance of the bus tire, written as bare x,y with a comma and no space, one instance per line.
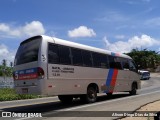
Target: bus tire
91,95
65,98
133,90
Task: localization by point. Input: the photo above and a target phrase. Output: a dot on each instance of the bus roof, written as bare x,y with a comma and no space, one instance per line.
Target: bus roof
81,46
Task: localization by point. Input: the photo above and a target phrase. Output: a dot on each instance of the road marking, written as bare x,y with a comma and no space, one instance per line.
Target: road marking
94,104
27,102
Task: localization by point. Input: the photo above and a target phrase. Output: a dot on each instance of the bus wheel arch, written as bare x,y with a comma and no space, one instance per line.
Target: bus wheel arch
94,85
91,94
134,88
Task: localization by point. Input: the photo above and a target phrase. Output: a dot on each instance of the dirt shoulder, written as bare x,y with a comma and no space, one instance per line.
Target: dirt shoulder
154,106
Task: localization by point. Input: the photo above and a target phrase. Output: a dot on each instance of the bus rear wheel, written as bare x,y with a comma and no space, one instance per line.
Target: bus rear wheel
90,97
65,98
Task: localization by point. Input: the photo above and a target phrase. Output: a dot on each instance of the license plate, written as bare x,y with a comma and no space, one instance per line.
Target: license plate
24,90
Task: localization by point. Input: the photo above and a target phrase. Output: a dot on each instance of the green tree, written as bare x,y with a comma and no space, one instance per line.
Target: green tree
4,62
11,64
145,58
6,70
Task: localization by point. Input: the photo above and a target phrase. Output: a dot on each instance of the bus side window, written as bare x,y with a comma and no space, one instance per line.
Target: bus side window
115,62
100,60
87,58
125,64
132,66
111,62
64,54
53,56
77,57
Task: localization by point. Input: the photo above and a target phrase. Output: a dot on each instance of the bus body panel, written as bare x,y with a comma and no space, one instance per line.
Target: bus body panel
61,79
64,79
43,62
27,85
36,85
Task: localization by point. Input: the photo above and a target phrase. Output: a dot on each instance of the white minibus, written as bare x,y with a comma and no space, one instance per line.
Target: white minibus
50,66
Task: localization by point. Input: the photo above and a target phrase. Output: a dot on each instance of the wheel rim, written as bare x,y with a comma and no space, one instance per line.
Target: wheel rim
91,95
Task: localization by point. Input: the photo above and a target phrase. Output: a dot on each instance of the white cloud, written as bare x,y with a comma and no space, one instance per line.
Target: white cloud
7,54
4,27
3,50
29,29
33,28
81,31
134,42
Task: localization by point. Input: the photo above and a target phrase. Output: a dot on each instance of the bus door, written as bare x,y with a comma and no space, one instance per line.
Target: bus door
134,75
126,74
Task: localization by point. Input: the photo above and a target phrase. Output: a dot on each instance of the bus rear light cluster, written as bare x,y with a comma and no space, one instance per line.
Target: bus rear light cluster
40,72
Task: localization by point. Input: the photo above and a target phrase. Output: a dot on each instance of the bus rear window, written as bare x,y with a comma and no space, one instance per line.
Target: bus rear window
28,51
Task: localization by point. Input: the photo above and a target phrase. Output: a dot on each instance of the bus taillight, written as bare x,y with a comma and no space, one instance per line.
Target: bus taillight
40,72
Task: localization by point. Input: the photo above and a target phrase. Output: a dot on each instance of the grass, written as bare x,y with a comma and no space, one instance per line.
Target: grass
8,94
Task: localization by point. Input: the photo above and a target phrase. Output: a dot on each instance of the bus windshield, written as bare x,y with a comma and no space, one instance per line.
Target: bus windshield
28,51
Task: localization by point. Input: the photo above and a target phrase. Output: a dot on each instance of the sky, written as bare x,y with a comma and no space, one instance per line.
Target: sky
115,25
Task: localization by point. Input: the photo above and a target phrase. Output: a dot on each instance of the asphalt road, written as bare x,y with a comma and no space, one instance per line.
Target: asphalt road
104,107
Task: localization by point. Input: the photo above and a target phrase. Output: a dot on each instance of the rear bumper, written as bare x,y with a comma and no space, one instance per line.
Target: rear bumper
28,90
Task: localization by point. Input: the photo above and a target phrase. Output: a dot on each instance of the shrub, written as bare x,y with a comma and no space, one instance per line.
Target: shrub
7,94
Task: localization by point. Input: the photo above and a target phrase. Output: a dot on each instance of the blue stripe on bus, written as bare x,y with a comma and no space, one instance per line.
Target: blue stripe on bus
109,77
113,54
